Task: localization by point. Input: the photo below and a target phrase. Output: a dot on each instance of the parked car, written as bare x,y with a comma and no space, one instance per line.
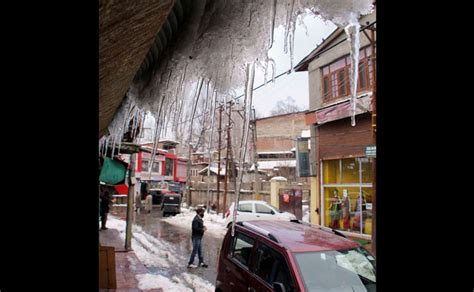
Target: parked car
256,210
292,256
171,203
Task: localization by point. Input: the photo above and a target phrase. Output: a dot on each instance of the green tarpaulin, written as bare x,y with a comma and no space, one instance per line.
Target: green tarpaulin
112,172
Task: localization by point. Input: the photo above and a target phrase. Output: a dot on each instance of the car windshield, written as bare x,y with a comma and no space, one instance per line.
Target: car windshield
342,270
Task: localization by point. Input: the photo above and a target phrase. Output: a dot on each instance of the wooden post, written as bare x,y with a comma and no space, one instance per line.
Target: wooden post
227,165
128,232
219,161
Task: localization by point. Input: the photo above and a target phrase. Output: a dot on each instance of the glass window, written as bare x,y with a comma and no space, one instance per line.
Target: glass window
363,75
367,174
341,81
350,171
271,267
169,167
326,88
342,270
156,167
145,165
246,207
331,172
337,65
260,208
242,248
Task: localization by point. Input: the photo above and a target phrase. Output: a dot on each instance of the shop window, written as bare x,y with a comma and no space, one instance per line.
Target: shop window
348,202
366,169
331,172
350,171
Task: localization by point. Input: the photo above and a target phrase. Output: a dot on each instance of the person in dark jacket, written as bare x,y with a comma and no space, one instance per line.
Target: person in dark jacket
198,230
105,201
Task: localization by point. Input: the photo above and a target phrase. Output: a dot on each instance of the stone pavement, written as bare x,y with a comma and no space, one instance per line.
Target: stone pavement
127,265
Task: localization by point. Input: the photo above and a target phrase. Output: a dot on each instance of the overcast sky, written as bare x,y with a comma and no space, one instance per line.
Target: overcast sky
294,84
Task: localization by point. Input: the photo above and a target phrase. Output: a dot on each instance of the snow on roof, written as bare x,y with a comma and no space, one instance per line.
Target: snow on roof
279,178
213,170
277,163
275,152
306,133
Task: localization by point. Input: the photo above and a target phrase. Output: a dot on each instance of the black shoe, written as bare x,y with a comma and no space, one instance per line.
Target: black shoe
203,265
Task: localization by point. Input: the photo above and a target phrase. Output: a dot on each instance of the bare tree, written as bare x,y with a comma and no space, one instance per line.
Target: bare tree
285,106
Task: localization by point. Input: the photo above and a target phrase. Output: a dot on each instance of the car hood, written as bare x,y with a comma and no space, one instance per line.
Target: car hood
288,214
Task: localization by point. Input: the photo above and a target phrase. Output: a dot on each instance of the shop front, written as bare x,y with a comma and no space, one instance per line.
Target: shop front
346,193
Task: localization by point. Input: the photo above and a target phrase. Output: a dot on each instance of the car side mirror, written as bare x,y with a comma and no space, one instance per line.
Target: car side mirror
278,287
272,212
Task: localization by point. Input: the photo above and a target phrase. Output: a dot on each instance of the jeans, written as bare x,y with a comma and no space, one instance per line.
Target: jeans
196,249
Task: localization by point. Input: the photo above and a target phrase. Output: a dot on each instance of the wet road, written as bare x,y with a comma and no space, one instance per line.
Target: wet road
180,238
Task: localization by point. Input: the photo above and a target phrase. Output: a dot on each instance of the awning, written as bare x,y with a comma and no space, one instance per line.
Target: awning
339,111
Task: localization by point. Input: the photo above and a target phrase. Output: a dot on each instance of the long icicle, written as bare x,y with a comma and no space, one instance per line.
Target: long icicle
250,77
353,35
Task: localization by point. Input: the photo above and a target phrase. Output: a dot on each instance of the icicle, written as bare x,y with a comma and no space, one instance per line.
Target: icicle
292,46
273,13
289,18
272,62
113,146
250,77
353,35
106,145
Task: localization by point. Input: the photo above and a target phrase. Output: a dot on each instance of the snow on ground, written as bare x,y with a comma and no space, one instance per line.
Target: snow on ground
155,253
151,281
214,223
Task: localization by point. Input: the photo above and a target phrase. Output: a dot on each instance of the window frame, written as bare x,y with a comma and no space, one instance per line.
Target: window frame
332,93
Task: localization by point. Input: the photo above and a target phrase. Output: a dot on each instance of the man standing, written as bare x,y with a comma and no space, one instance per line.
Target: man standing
198,229
104,209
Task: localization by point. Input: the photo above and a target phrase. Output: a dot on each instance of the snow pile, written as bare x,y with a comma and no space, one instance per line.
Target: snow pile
197,282
151,281
214,223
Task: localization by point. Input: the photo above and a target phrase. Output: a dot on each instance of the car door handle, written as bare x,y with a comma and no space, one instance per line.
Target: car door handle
250,289
257,215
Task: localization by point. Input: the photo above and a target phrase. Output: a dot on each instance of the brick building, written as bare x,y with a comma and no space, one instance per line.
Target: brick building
276,138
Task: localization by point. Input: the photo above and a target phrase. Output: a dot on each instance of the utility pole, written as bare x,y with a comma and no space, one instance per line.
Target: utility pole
374,140
219,147
229,148
255,155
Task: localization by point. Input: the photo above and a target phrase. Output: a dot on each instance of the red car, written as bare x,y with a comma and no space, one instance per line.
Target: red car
292,256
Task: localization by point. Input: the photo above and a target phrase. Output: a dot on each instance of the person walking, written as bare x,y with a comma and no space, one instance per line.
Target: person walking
148,203
198,230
